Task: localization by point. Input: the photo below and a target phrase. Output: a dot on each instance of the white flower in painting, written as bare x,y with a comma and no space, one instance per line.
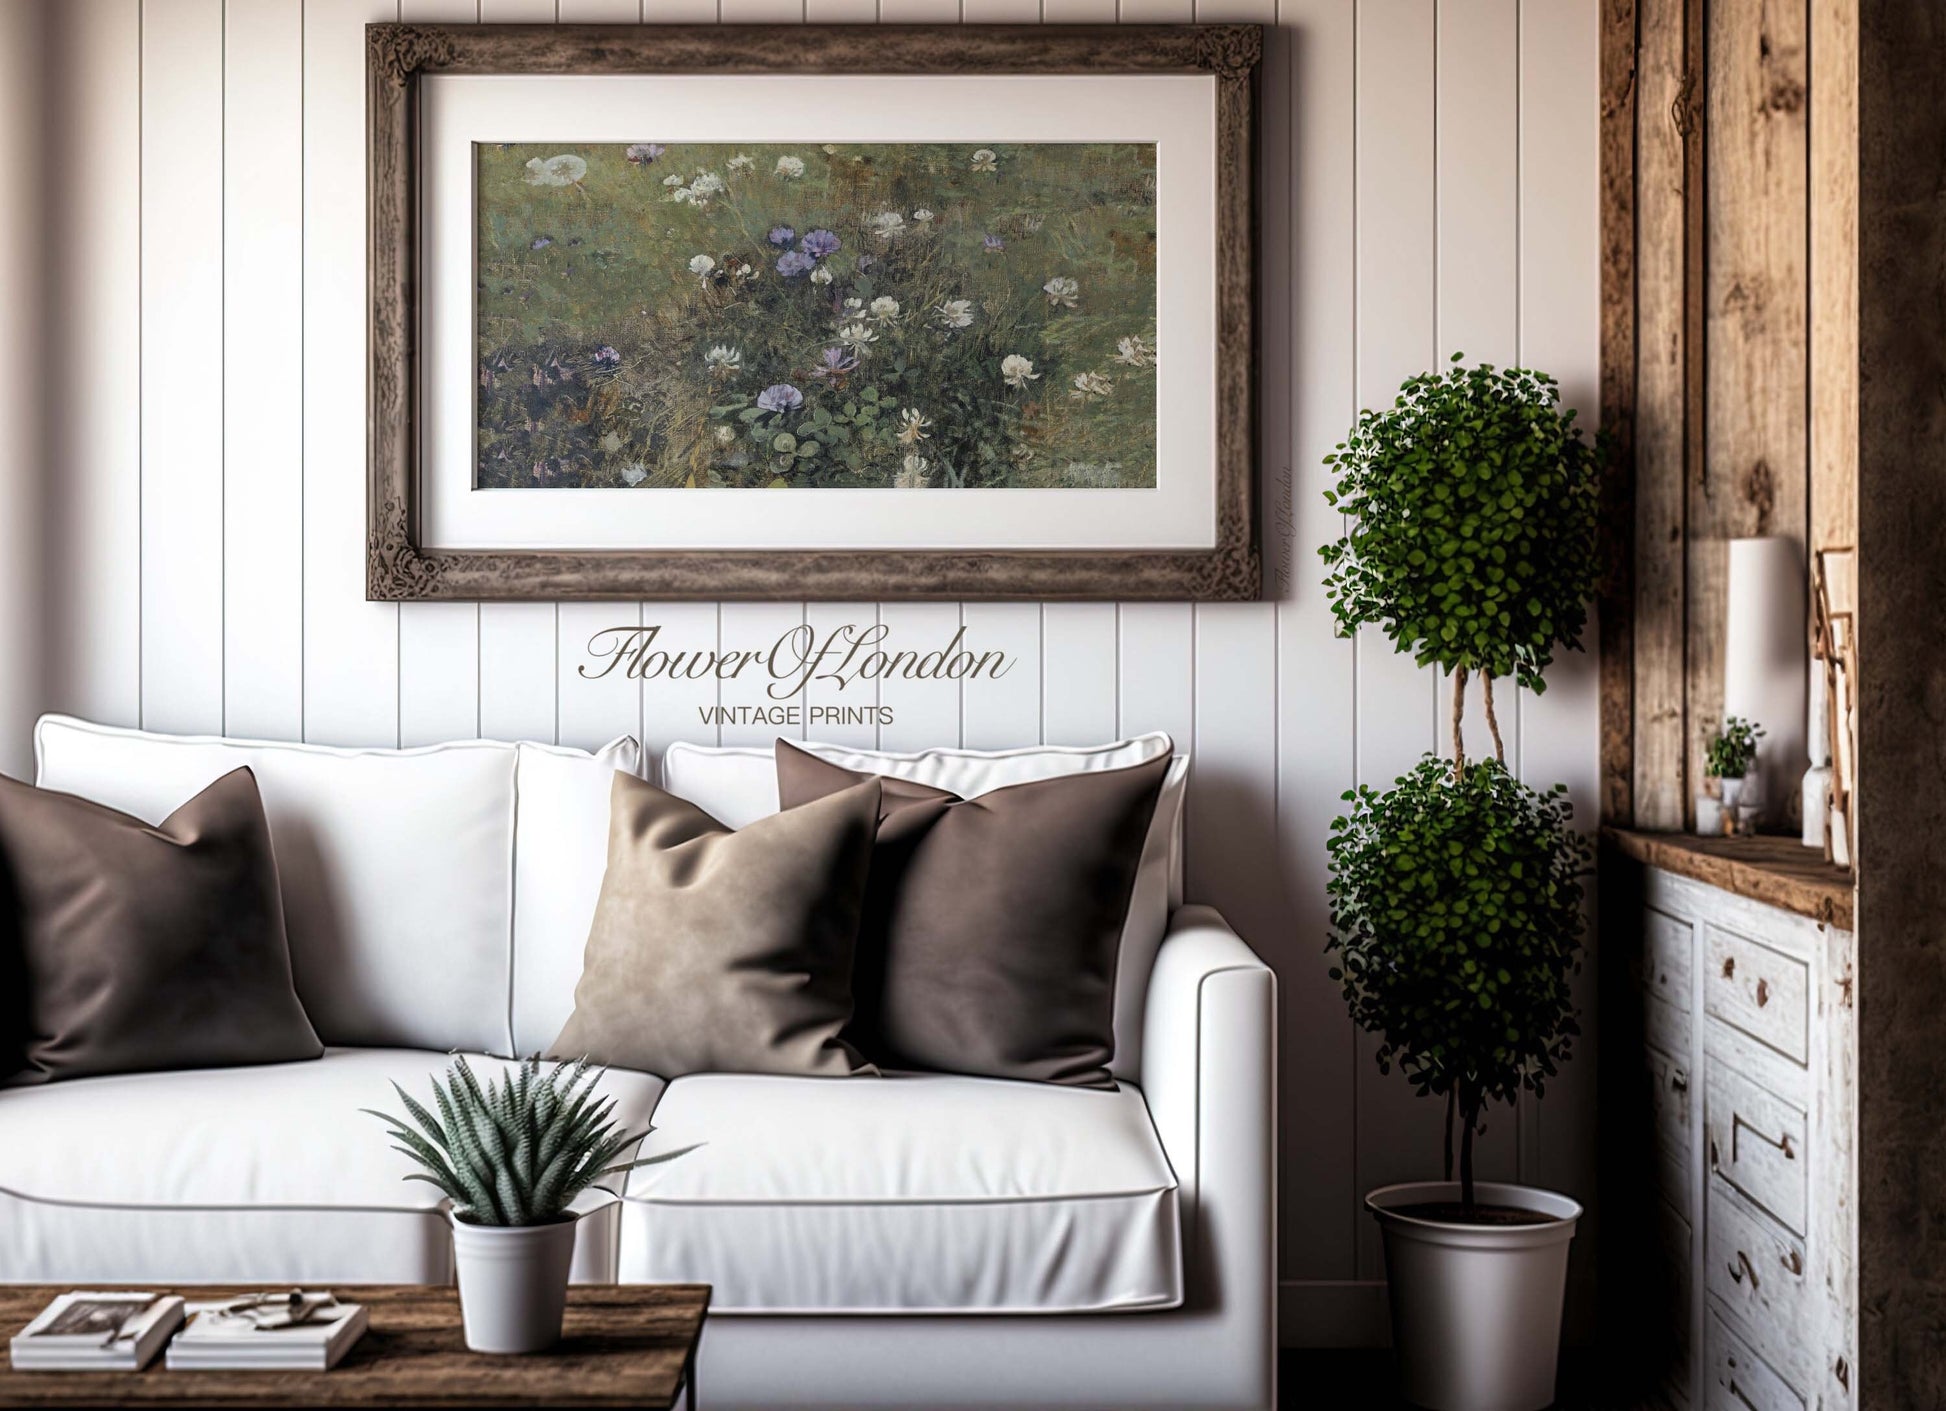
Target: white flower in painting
1134,352
611,443
741,162
1018,371
726,435
986,160
723,359
954,313
634,473
887,225
701,265
830,149
708,184
821,275
790,168
915,474
853,306
564,170
923,216
912,427
1061,291
1090,385
683,196
857,336
672,180
885,308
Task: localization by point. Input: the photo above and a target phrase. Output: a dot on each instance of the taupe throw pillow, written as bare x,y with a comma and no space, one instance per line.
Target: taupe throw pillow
147,947
715,951
993,924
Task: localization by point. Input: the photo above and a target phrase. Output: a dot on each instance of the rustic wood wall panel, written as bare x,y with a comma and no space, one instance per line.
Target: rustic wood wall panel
1834,273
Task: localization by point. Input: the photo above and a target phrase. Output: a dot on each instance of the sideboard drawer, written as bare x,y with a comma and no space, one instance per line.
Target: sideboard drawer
1669,1102
1757,1270
1666,947
1757,1142
1738,1379
1666,1027
1759,990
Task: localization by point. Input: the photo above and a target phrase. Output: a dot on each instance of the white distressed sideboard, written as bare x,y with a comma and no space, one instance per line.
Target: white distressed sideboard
1747,1024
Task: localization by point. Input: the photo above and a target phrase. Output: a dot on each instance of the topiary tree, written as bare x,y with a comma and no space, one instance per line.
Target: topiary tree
1455,895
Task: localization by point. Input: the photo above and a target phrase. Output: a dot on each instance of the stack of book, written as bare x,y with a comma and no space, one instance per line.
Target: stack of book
97,1332
110,1332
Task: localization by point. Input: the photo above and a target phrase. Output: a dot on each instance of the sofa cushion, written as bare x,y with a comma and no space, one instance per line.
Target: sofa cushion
397,866
739,783
922,1193
264,1174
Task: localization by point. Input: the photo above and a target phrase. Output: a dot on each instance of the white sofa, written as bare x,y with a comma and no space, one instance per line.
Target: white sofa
920,1240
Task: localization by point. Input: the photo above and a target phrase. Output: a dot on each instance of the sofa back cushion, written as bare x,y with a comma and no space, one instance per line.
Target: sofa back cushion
739,784
397,867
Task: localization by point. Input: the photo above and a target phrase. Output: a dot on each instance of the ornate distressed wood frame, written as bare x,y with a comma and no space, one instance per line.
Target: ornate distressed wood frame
399,568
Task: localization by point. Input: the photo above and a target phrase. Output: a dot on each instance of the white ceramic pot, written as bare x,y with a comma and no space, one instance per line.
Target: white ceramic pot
513,1283
1476,1309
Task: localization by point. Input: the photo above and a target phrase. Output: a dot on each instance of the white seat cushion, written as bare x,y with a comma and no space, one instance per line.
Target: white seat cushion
921,1193
398,867
268,1173
737,785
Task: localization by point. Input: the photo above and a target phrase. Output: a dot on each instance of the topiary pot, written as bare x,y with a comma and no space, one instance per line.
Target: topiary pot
513,1283
1476,1308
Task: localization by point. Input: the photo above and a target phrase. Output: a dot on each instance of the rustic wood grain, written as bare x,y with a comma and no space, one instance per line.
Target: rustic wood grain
1778,871
398,569
1618,375
1752,480
626,1345
1661,416
1834,274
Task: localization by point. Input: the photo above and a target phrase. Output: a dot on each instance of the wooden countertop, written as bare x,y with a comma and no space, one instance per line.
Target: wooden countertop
1778,871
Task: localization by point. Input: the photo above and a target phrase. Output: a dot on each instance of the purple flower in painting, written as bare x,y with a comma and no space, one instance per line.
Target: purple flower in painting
992,243
835,363
782,235
541,242
819,243
642,153
792,263
780,397
606,356
865,262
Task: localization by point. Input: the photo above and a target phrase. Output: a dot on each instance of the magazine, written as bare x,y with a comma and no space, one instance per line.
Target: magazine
295,1330
89,1331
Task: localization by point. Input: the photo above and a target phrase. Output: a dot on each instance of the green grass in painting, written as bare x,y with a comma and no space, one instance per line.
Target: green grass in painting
865,316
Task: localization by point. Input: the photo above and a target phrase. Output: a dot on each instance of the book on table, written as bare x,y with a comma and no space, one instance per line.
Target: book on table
298,1331
91,1331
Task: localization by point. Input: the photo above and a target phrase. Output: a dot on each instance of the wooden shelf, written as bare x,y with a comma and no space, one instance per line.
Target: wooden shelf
1777,871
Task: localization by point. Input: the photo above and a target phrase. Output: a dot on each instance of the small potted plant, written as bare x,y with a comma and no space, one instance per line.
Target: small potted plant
1456,901
1731,753
511,1157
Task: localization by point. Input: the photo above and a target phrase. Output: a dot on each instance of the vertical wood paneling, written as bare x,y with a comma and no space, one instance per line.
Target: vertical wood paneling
1833,257
182,365
838,625
351,646
757,627
519,699
924,713
678,11
1316,724
600,703
841,11
263,384
1001,712
1231,817
92,560
1078,678
1157,660
918,11
672,705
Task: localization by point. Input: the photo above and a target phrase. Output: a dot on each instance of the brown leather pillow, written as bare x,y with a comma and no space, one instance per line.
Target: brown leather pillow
720,951
993,924
145,948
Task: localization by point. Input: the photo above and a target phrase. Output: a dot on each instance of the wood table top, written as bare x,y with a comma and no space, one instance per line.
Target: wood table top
1777,871
625,1345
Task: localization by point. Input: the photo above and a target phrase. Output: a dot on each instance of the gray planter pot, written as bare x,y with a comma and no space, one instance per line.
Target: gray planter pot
513,1284
1476,1309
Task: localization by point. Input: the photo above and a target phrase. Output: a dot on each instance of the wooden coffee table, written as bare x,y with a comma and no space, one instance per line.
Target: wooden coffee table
625,1345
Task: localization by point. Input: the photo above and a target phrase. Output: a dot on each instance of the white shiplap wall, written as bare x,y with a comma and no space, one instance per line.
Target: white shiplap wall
1429,184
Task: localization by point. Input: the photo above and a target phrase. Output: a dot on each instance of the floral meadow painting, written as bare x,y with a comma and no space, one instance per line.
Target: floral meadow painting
864,316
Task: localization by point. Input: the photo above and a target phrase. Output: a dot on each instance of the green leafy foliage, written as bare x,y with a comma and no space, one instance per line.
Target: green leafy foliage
1733,749
1456,922
518,1150
1471,508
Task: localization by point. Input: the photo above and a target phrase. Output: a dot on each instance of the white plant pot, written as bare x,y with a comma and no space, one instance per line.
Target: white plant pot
1476,1309
513,1283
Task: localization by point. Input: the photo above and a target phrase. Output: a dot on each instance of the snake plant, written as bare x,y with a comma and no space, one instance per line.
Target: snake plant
518,1150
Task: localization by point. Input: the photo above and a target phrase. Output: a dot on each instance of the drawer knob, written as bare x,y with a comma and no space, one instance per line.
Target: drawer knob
1794,1262
1729,967
1743,1268
1679,1081
1763,993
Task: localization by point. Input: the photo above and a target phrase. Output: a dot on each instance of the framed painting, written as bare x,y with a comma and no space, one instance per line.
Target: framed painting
811,312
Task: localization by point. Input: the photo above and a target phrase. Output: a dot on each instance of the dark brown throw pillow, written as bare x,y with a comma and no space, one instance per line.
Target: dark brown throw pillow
715,951
148,947
993,924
